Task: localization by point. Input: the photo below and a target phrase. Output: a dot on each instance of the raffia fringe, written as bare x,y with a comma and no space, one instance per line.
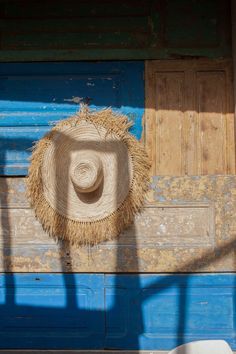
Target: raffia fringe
90,233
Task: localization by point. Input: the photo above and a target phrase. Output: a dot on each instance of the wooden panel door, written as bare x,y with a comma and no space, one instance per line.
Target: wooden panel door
119,311
189,117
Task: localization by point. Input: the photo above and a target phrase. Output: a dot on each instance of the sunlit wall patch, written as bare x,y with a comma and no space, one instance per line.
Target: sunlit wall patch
39,290
55,291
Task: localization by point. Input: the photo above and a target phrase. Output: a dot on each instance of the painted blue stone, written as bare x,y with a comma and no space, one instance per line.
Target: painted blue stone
34,96
97,311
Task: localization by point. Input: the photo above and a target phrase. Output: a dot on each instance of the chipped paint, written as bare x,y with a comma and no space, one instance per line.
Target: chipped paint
74,99
174,235
24,121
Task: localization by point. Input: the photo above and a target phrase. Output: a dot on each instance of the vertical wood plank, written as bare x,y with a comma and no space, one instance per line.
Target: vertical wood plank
169,121
212,122
150,114
190,132
230,122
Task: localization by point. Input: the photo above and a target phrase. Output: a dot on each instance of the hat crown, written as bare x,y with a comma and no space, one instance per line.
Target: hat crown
87,174
88,177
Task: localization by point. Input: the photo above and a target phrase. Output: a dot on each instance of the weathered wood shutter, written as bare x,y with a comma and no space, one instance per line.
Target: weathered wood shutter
190,120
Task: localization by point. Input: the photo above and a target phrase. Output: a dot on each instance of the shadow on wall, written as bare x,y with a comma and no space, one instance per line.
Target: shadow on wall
69,326
94,311
68,310
57,315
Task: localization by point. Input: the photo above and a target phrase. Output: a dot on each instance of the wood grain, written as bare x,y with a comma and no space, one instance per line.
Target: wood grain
190,128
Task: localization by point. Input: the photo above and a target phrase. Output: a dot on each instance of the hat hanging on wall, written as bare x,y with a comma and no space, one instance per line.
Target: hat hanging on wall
88,177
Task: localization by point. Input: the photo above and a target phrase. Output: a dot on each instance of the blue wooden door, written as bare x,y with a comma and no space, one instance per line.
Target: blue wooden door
160,312
52,311
96,311
33,96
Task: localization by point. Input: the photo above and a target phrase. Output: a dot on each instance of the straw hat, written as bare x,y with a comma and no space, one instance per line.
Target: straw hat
88,177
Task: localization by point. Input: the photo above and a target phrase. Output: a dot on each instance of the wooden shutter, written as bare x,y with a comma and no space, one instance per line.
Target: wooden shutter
189,117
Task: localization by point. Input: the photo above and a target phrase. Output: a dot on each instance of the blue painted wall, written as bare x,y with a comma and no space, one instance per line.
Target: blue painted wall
33,96
97,311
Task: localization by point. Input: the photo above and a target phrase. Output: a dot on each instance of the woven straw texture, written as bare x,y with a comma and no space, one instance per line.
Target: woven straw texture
88,177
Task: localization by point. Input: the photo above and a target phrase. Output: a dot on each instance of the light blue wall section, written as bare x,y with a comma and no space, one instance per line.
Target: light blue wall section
96,311
33,96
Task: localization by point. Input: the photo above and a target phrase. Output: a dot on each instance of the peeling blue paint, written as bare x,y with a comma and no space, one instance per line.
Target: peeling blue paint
34,96
129,312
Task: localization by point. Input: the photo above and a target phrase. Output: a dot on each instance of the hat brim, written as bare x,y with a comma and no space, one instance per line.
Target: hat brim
62,212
